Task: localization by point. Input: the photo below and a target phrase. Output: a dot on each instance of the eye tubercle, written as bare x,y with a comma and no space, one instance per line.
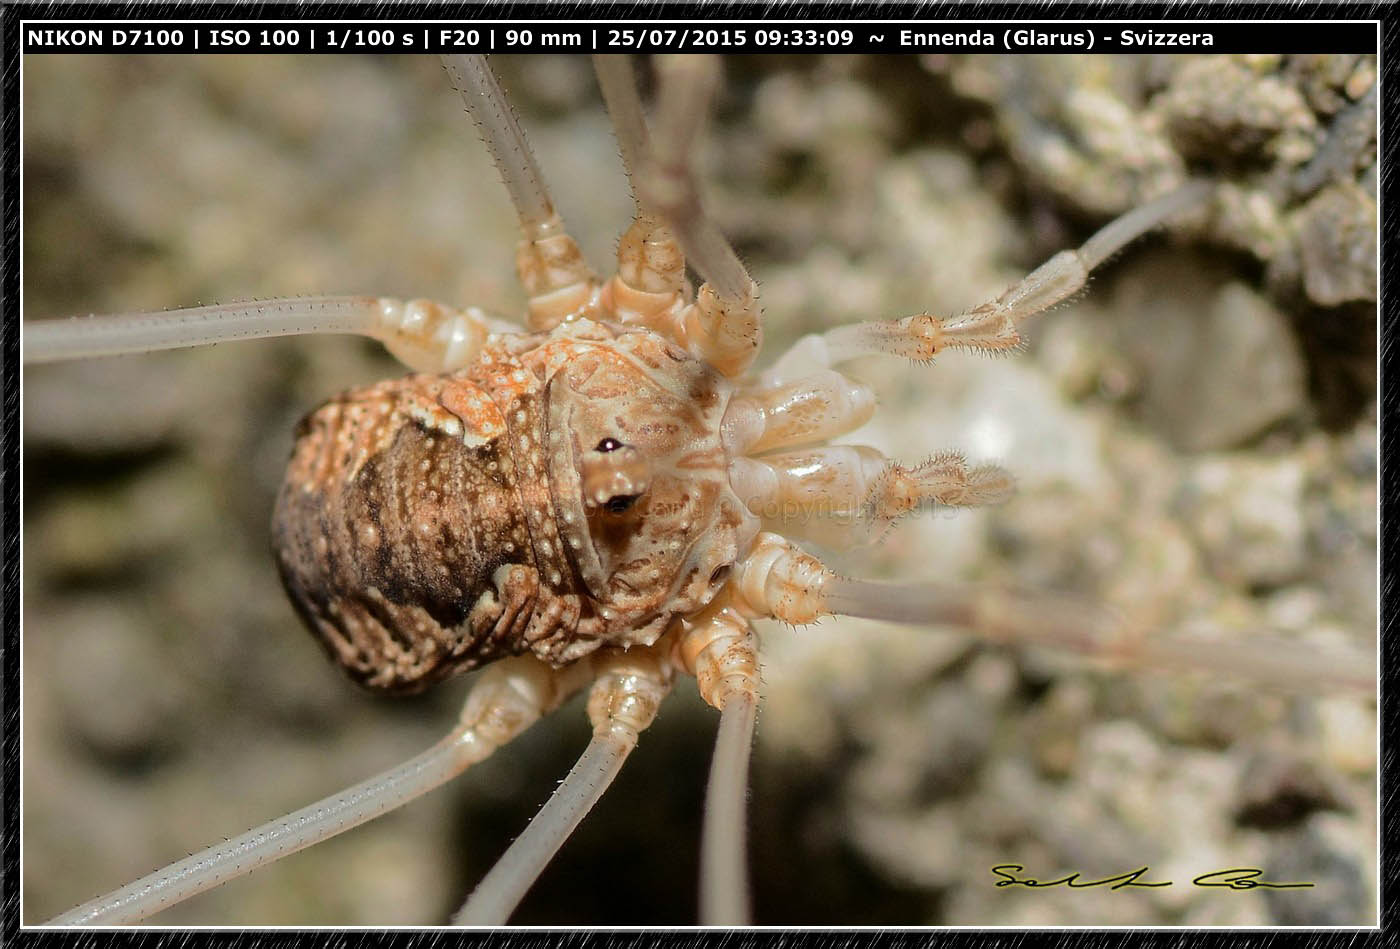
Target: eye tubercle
617,472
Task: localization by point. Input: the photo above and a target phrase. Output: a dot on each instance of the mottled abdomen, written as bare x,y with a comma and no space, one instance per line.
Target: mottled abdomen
402,530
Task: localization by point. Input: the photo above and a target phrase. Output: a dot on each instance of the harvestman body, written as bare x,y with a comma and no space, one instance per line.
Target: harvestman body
603,499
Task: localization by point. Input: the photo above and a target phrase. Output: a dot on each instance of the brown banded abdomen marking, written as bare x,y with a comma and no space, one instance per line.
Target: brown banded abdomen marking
401,535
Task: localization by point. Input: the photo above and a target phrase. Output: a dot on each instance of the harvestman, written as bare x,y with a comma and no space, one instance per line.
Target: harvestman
759,448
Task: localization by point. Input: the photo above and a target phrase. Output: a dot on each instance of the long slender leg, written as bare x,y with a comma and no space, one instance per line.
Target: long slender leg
992,326
720,649
427,336
724,877
722,326
619,90
781,581
500,130
622,703
510,697
649,286
687,85
548,261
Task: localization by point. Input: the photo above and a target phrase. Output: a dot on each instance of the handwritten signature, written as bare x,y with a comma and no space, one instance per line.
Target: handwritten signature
1235,878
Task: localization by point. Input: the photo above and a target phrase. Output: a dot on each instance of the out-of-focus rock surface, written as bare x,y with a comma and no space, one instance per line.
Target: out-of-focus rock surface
1193,437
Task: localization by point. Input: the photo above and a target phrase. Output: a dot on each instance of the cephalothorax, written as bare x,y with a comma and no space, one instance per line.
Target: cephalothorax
606,497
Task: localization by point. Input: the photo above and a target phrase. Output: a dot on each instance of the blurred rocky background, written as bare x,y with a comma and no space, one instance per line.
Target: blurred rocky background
1195,434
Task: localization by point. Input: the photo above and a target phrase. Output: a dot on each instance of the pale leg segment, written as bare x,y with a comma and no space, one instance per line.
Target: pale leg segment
837,495
649,287
992,326
724,873
722,326
849,495
801,412
619,88
779,580
490,110
551,268
719,647
622,703
510,697
426,336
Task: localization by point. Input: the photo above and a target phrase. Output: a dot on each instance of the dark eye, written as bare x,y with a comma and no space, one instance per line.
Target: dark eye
608,444
620,503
